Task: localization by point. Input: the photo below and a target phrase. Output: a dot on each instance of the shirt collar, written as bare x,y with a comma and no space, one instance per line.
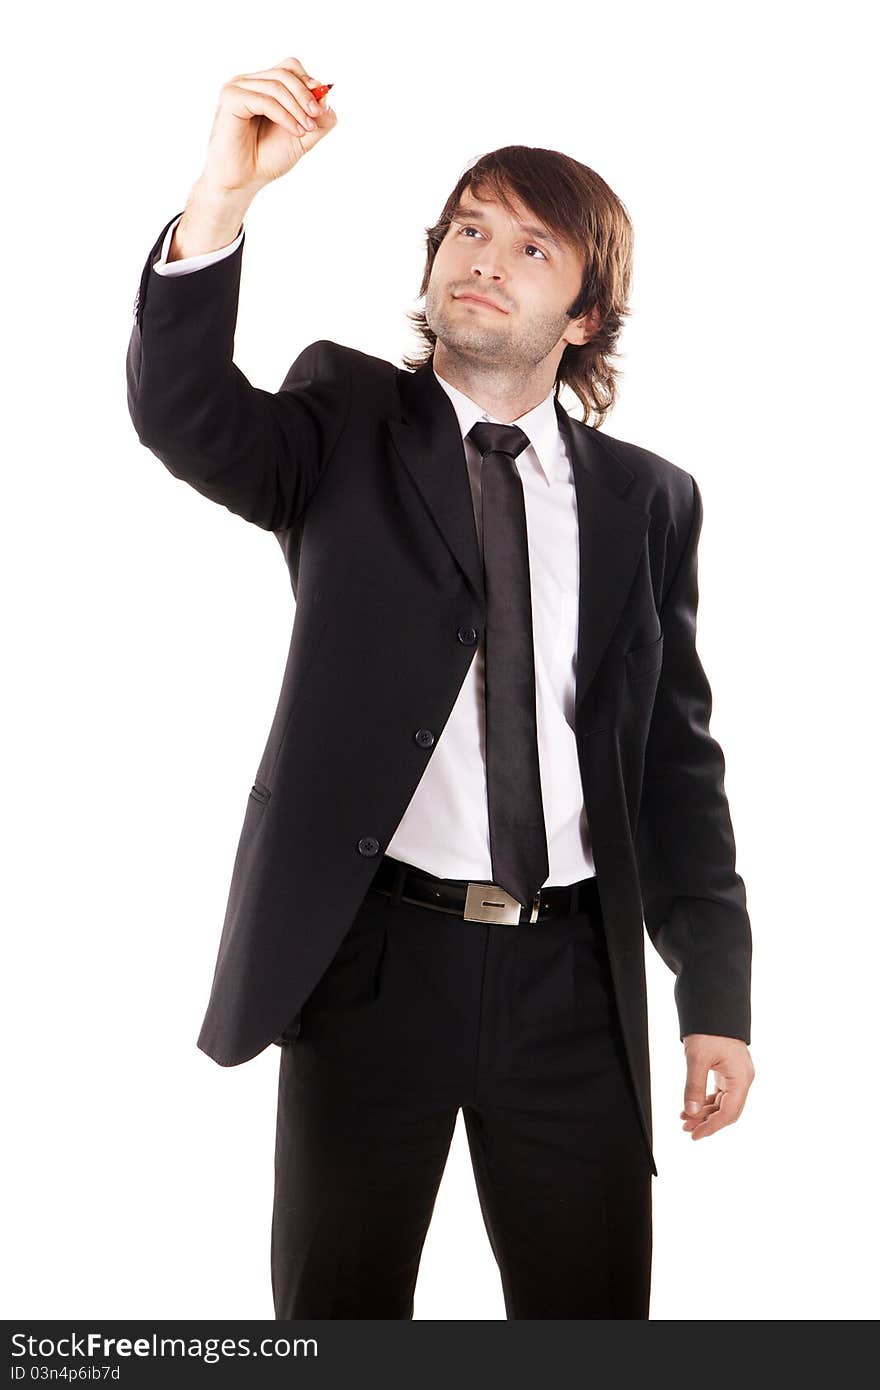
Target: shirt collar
540,424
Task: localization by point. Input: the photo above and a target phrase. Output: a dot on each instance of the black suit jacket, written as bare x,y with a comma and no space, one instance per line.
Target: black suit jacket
358,469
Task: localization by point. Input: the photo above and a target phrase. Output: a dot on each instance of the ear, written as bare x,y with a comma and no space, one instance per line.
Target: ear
585,328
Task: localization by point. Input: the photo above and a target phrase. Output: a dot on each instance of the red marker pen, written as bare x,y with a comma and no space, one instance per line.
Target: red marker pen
318,92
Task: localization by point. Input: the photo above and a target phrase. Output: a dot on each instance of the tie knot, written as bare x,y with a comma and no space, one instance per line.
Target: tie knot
498,439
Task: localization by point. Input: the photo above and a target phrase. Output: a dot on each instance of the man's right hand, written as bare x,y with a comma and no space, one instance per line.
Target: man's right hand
263,126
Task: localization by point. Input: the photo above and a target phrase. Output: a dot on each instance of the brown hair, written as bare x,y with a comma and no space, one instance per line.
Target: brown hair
576,204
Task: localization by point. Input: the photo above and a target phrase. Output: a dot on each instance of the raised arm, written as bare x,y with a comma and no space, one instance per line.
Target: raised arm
258,453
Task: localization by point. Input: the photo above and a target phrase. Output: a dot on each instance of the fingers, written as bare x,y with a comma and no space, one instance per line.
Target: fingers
259,102
291,72
705,1110
710,1103
724,1106
723,1114
280,94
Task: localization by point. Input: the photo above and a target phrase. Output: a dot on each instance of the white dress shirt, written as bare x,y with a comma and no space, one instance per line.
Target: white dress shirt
445,827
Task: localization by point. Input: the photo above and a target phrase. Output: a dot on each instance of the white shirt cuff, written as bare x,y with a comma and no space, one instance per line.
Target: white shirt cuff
189,263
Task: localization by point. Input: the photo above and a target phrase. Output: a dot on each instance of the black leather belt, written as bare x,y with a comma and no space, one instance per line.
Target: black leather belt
483,902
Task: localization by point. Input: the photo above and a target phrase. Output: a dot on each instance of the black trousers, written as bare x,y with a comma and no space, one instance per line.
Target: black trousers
420,1014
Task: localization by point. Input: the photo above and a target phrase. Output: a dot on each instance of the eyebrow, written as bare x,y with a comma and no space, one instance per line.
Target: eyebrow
461,213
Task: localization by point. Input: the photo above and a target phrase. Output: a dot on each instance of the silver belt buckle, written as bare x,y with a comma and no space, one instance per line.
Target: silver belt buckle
486,902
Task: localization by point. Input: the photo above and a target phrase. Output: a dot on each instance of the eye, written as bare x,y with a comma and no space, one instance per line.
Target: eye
529,244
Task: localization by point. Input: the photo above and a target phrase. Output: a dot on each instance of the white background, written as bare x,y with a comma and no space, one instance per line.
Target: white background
146,629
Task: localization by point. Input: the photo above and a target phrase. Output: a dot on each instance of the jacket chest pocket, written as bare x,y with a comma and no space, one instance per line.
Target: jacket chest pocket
644,662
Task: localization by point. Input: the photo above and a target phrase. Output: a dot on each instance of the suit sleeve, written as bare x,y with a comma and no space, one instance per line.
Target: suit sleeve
258,453
694,900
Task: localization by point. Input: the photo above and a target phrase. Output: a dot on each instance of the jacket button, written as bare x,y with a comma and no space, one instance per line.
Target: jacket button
368,846
467,635
424,738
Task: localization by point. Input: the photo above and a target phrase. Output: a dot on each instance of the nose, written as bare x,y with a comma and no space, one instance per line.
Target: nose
486,262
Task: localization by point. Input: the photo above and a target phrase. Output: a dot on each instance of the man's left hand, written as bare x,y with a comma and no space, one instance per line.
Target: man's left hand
731,1062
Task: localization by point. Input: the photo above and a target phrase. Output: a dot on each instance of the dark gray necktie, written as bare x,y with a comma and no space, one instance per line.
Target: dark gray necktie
517,834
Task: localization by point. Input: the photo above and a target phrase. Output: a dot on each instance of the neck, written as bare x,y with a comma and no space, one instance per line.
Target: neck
505,395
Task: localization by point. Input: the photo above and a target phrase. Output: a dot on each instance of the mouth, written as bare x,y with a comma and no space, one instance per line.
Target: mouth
480,299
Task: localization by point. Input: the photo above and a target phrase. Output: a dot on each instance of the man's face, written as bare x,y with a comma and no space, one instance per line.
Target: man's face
529,278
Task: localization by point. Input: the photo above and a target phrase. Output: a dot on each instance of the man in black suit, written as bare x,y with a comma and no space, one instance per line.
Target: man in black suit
490,765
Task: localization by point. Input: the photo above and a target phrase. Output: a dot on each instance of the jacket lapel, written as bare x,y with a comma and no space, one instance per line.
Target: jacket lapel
611,530
428,439
611,537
